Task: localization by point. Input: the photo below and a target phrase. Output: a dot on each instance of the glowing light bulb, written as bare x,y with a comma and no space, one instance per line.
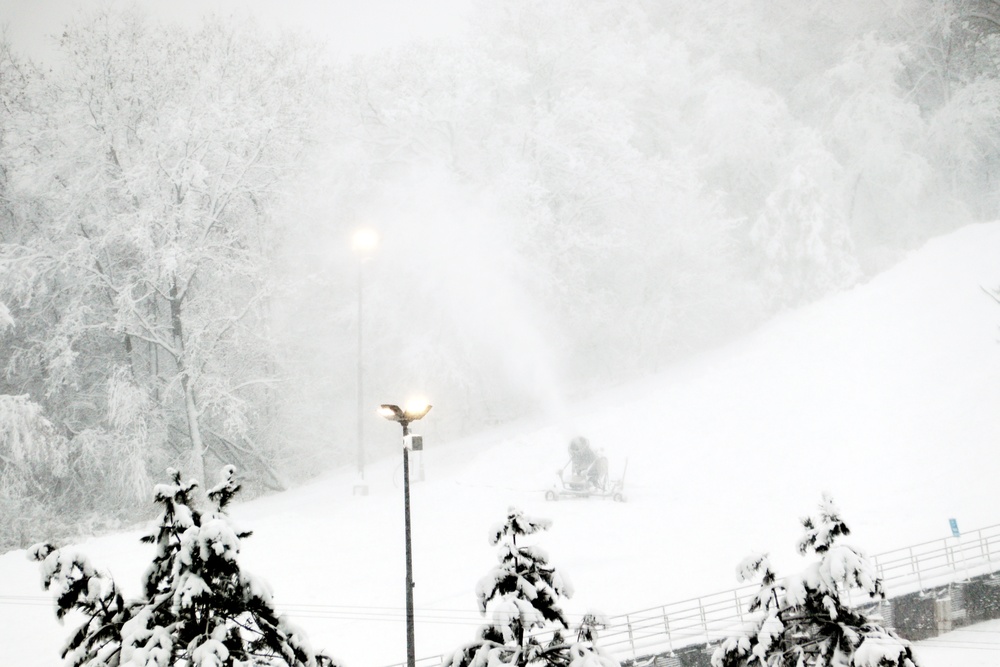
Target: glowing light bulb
364,240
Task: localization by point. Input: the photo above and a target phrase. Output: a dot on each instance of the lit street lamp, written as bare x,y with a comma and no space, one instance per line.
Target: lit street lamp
411,414
364,243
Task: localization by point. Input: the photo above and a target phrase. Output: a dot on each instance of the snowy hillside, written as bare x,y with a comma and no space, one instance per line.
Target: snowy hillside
884,395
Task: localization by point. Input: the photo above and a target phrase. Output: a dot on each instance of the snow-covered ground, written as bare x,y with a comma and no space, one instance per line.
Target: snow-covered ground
972,646
884,395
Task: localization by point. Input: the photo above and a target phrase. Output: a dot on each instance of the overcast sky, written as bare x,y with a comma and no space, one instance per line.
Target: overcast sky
349,26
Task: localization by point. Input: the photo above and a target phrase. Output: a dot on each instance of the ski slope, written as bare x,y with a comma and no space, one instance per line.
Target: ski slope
884,395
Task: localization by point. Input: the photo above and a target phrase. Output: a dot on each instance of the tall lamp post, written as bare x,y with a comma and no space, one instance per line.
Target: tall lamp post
411,414
364,243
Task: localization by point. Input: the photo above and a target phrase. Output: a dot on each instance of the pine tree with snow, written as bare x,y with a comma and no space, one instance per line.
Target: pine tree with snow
521,595
802,621
585,652
198,608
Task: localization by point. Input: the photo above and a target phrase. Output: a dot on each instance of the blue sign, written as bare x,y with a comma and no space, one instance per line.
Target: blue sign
954,527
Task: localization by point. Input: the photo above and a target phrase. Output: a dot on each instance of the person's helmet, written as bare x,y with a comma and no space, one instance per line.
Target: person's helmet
578,444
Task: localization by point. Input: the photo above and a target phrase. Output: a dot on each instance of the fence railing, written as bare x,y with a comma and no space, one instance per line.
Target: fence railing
704,619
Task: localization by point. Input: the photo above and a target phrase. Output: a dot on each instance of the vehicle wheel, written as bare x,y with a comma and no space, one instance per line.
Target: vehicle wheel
618,498
551,495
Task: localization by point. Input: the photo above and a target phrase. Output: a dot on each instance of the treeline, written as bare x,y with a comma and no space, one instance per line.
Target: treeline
581,192
569,195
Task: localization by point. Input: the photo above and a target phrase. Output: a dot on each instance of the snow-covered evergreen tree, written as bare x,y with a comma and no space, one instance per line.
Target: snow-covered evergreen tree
198,609
522,594
801,621
585,652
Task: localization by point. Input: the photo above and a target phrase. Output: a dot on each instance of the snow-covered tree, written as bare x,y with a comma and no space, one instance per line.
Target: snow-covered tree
198,608
801,236
153,162
521,597
35,468
802,620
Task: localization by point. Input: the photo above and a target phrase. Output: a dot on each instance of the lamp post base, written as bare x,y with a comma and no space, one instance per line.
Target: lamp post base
360,489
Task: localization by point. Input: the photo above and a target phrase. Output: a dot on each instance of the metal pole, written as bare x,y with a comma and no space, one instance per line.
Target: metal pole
666,627
411,654
631,637
915,564
361,410
704,619
965,563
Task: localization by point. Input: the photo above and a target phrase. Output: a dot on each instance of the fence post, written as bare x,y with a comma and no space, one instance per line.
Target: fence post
666,628
739,607
704,619
880,571
631,638
915,566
